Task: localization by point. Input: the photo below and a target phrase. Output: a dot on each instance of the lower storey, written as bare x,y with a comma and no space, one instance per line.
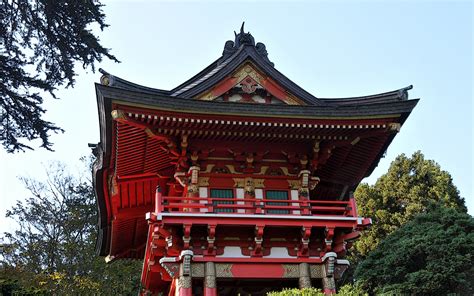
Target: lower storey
189,277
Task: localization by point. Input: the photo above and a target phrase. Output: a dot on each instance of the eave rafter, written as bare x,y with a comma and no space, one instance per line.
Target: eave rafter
169,143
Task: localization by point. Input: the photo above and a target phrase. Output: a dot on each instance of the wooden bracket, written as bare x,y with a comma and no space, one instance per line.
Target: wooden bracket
304,245
257,249
329,236
211,238
186,236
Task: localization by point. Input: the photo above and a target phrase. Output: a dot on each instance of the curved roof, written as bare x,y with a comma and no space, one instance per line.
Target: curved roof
236,53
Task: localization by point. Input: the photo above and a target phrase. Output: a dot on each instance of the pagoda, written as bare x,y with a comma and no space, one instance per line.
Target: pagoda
238,180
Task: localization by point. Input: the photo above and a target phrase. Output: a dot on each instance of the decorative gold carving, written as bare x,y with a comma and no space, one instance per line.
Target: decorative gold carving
249,183
239,182
291,271
294,184
210,275
249,70
286,172
263,169
394,126
316,271
184,142
231,168
105,80
197,269
249,186
203,182
208,169
224,270
292,100
117,114
193,188
313,182
185,282
210,282
259,183
172,268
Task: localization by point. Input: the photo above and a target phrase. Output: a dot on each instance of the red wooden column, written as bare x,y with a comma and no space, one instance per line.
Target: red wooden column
305,276
210,288
185,278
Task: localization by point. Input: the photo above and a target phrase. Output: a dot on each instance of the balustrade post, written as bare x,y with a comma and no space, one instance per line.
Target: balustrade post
353,205
158,200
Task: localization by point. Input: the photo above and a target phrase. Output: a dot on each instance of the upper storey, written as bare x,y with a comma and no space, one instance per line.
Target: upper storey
240,113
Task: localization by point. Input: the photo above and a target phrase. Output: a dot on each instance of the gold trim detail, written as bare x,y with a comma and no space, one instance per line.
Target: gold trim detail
203,181
117,114
249,182
291,270
316,271
208,169
231,168
197,269
224,270
294,184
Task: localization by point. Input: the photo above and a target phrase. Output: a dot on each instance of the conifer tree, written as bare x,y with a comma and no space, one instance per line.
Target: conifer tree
40,43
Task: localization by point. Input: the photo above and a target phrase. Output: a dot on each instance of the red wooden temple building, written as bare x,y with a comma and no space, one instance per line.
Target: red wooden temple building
238,180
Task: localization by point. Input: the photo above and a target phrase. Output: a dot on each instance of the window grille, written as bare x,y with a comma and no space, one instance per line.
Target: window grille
222,193
277,195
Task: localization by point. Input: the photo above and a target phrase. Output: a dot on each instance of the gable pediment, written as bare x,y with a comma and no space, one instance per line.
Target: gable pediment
248,84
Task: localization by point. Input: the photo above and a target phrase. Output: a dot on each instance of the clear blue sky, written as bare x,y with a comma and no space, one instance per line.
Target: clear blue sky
332,49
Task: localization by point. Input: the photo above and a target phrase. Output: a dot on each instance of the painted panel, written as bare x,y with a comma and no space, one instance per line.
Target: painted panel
295,196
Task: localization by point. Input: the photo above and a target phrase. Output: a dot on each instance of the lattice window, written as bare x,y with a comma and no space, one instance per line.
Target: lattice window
222,193
277,195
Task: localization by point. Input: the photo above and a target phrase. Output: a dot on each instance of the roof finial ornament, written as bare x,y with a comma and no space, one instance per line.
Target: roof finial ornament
244,39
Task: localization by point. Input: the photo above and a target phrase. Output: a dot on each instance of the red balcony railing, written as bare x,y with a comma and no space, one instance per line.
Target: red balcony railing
174,204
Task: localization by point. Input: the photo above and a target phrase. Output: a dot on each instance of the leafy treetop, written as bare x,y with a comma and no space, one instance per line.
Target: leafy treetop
40,42
431,255
408,188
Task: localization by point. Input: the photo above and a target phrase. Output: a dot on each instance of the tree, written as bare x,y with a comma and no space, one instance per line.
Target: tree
431,255
40,42
347,290
53,250
407,189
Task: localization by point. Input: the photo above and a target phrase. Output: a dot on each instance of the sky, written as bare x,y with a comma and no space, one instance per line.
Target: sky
330,48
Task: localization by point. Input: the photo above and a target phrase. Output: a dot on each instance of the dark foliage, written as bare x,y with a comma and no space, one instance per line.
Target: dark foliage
407,189
53,250
40,41
431,255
